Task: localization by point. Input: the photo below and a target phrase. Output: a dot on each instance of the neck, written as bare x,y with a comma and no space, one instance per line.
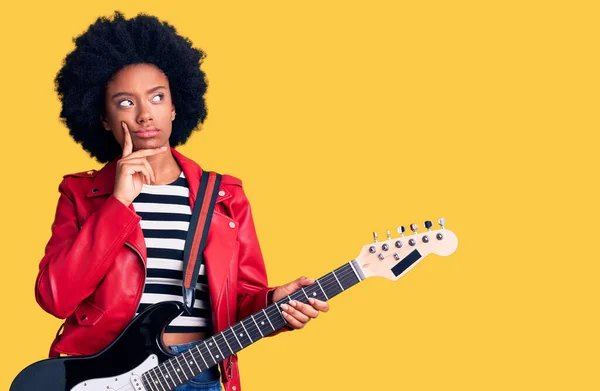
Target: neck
165,167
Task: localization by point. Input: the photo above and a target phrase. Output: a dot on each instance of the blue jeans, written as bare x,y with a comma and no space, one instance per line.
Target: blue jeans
208,380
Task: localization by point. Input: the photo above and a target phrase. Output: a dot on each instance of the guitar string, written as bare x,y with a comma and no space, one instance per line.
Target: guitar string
345,274
328,282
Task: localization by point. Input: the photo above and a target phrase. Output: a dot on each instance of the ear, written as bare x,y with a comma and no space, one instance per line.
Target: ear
172,112
104,122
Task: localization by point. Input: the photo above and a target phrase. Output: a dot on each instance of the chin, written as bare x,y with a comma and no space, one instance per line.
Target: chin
150,143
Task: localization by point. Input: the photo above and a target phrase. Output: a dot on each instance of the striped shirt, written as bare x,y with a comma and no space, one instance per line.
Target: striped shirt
166,214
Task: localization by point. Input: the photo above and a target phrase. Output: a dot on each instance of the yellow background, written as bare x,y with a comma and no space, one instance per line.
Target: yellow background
344,118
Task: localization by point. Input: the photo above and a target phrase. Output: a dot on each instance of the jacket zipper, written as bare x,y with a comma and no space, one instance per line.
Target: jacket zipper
144,284
230,365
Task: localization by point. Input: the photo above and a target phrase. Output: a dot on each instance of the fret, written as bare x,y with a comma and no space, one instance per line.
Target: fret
261,334
183,368
222,346
184,360
240,331
147,384
236,338
315,292
213,357
252,328
160,382
338,281
176,370
220,355
303,291
201,356
349,276
166,377
267,316
331,286
327,298
157,381
263,324
275,317
278,308
244,326
225,338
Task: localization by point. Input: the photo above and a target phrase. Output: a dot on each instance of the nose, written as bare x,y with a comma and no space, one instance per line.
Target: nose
144,115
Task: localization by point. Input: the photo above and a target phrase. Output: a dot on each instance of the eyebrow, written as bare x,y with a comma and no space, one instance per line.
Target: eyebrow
118,94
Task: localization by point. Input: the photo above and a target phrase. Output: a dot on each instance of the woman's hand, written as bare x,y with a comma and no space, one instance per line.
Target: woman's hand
295,313
133,169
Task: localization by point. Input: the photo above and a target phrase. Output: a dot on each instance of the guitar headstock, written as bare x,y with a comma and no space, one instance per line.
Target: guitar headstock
393,257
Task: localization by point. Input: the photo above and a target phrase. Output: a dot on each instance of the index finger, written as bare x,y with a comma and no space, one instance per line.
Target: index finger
127,143
147,152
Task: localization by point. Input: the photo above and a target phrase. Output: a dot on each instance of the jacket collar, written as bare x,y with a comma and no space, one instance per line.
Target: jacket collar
104,182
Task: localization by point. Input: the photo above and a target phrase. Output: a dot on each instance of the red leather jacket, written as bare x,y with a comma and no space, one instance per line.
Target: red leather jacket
93,271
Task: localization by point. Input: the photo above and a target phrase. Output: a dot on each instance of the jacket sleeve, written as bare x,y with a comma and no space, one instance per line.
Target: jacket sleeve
253,290
77,258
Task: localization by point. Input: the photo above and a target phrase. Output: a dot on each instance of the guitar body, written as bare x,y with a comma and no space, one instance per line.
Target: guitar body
135,351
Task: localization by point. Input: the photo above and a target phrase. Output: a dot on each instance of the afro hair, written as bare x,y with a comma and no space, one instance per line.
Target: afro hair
106,47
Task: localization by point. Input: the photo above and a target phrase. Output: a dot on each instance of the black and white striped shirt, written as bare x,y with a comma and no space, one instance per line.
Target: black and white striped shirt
166,214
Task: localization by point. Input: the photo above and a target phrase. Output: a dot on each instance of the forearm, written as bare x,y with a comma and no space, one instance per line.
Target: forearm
76,259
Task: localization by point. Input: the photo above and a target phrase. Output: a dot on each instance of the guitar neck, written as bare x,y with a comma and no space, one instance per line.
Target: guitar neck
179,369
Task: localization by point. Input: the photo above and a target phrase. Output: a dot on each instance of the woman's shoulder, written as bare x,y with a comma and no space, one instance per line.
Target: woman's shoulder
230,180
82,174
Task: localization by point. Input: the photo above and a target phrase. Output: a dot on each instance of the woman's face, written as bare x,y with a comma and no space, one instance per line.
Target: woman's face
139,95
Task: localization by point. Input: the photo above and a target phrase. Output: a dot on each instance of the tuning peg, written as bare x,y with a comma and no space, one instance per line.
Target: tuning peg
375,236
428,225
442,222
414,227
389,236
401,230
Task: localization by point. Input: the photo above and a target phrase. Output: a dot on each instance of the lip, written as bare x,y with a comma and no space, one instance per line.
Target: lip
146,132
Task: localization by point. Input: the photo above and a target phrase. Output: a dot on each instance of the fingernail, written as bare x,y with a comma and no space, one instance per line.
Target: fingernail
311,300
285,314
293,303
285,307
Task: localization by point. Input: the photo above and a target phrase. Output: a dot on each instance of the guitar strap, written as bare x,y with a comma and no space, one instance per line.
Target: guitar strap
193,253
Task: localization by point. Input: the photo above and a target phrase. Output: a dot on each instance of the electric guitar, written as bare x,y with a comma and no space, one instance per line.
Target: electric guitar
138,361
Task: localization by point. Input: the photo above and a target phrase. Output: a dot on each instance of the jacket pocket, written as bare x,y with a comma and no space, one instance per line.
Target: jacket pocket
88,314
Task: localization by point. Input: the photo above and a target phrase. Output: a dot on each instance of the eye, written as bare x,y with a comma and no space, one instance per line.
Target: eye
158,98
125,103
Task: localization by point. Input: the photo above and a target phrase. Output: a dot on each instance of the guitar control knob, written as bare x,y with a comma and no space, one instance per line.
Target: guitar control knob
375,236
389,236
414,227
442,222
428,225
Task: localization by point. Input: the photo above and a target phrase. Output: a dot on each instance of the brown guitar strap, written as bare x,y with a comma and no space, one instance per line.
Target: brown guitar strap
197,235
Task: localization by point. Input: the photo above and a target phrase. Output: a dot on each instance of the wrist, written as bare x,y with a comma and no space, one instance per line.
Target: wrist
124,202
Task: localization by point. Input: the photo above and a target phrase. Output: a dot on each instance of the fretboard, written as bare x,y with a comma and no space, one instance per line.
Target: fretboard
210,351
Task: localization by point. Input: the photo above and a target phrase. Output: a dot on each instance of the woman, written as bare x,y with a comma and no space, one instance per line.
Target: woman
131,91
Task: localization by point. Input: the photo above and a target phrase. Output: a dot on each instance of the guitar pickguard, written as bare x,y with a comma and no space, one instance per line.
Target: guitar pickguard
129,381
